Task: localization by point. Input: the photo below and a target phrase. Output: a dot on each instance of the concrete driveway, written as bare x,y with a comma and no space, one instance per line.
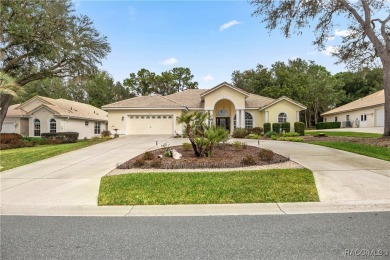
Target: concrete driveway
72,178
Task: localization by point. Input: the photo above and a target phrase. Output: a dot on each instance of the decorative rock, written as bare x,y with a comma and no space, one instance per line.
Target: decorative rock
175,154
160,156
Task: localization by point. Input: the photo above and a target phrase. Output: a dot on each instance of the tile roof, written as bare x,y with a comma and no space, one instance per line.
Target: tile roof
256,101
61,107
375,99
156,101
190,98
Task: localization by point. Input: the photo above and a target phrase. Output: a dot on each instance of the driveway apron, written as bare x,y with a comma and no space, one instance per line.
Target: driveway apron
72,178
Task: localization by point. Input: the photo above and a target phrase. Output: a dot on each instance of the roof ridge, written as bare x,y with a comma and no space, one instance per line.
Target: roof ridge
173,101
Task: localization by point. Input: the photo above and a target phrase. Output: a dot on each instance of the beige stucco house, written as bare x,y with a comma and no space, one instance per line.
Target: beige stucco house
368,111
229,107
43,115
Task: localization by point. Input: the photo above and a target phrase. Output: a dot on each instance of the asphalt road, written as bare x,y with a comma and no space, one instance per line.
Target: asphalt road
312,236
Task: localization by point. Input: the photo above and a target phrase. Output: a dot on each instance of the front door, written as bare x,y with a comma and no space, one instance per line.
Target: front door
223,122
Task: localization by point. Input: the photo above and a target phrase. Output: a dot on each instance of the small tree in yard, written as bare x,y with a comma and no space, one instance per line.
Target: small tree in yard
202,137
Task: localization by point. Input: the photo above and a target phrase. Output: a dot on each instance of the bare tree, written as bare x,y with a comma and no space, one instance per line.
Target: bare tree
367,40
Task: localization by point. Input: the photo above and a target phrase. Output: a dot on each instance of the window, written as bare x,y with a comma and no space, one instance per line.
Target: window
363,118
347,119
248,120
235,121
53,126
335,118
37,127
282,118
97,128
86,123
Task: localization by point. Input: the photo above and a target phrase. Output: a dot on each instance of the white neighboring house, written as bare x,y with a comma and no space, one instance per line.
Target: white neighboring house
368,111
43,115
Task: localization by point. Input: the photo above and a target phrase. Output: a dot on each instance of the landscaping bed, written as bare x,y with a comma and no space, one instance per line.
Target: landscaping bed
223,156
381,142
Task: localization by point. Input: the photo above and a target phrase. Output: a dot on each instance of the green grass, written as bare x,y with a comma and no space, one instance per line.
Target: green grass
12,158
378,152
348,134
277,185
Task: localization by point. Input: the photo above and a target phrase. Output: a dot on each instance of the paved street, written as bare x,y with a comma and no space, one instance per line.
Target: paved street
312,236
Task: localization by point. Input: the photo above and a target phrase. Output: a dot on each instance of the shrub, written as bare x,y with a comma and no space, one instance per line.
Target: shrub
35,140
106,133
187,146
95,138
167,153
148,156
285,127
266,155
269,134
299,128
240,133
276,128
291,139
273,137
10,138
252,136
64,137
292,134
248,160
267,127
139,162
328,125
237,145
256,130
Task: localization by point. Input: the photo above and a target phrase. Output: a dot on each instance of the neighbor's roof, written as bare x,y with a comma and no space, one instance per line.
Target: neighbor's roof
375,99
60,107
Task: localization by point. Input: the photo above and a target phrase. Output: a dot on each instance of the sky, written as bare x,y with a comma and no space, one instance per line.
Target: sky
212,38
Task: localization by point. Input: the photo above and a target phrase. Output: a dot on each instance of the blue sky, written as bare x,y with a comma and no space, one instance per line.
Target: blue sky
212,38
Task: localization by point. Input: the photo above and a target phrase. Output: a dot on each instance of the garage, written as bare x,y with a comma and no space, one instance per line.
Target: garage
380,117
8,127
150,125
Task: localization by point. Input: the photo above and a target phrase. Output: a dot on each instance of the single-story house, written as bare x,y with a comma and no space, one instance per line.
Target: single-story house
229,107
368,111
43,115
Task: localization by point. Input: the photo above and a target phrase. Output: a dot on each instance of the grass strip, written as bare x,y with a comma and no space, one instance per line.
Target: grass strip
12,158
378,152
346,134
277,185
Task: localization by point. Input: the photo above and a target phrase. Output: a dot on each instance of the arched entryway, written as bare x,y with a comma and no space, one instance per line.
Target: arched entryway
224,112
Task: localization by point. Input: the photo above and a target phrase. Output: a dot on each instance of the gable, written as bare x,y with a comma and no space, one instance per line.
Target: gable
224,92
33,103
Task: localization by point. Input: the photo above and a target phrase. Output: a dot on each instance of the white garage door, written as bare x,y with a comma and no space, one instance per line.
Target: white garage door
8,127
150,125
380,117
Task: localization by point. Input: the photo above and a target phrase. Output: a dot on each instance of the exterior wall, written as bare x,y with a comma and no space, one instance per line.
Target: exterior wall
24,126
44,116
12,121
78,125
283,106
355,117
258,117
115,120
234,96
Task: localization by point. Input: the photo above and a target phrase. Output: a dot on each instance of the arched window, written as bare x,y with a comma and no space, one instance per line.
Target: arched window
282,118
53,126
248,120
37,127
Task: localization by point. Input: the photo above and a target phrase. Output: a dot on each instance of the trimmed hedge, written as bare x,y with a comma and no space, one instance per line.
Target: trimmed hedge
286,127
267,127
328,125
8,138
63,137
276,127
299,128
240,133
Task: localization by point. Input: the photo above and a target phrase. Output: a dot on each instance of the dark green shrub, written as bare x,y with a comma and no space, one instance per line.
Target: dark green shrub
266,155
248,160
299,127
276,128
328,125
285,127
270,133
64,137
256,130
106,133
267,127
240,133
35,140
148,156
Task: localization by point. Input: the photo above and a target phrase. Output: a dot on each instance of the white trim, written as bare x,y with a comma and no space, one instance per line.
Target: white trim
221,85
253,119
281,99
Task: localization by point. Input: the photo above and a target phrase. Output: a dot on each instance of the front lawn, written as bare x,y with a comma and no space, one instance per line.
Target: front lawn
260,186
347,134
12,158
378,152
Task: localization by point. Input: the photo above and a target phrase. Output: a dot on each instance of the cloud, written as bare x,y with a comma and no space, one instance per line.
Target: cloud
342,33
330,50
170,61
228,25
208,78
331,38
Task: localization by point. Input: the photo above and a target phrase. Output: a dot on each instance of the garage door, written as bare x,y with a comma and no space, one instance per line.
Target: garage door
8,127
380,117
150,125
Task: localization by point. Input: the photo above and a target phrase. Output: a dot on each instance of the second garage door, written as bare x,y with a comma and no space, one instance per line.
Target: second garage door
150,125
380,117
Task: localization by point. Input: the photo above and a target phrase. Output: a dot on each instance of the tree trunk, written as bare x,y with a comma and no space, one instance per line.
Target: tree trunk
386,83
5,102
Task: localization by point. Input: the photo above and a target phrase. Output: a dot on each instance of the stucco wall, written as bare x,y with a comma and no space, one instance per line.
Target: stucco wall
24,126
258,117
44,116
77,125
234,96
355,117
283,107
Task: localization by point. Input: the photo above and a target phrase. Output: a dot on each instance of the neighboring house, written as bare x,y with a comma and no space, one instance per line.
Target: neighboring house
368,111
229,107
43,115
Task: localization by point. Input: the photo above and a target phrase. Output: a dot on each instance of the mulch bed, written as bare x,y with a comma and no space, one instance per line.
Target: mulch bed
383,142
223,156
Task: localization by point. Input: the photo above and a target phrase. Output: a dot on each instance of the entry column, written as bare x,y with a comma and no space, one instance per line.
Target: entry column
242,118
238,125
